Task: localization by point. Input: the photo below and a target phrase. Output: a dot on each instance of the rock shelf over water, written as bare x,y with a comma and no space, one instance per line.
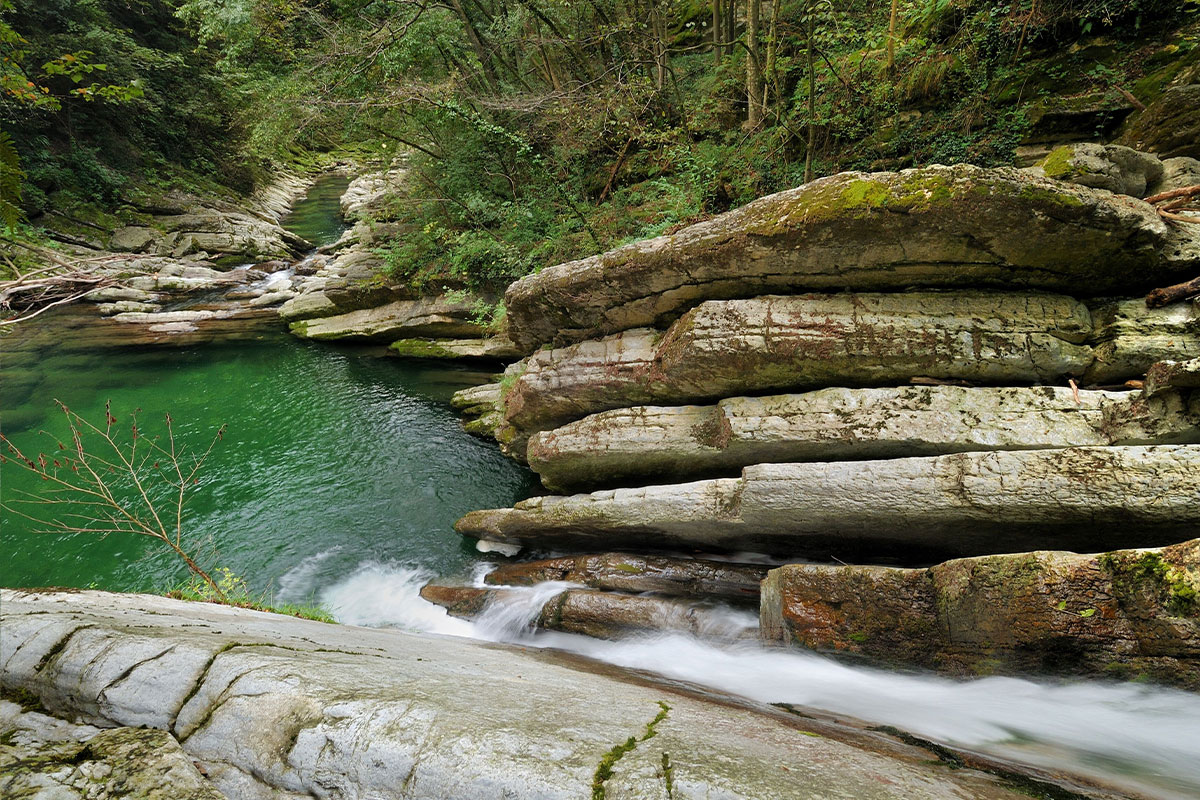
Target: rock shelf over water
934,227
275,706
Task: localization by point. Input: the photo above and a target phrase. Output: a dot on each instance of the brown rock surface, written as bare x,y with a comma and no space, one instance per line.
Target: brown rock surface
1118,614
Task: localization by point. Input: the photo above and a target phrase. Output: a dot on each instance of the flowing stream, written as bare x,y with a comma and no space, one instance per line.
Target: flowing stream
339,479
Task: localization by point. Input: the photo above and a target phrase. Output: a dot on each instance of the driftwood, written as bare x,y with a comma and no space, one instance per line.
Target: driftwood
1175,200
1173,294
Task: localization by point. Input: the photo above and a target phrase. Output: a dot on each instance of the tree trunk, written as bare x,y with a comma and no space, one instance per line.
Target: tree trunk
891,62
754,88
771,73
810,34
717,31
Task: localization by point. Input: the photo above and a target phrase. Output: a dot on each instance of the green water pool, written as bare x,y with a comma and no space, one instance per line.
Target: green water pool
333,456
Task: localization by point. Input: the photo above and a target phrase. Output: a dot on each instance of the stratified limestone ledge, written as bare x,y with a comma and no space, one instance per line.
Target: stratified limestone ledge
1120,614
935,227
438,316
1082,499
636,445
726,348
278,707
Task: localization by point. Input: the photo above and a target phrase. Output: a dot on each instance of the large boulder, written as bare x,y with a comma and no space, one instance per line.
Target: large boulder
1118,614
276,707
1104,166
732,347
636,445
960,504
1170,126
935,227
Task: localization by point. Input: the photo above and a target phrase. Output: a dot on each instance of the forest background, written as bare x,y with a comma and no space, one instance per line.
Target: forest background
539,131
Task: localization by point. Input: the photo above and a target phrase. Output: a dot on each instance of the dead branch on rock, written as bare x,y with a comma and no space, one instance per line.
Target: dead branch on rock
1175,200
1173,294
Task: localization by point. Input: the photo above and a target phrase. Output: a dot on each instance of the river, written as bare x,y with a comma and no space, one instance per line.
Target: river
338,481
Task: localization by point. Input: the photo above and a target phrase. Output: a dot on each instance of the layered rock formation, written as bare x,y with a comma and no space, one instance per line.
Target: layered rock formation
1126,613
277,707
975,376
348,296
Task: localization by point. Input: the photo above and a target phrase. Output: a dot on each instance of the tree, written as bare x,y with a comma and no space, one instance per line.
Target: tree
97,484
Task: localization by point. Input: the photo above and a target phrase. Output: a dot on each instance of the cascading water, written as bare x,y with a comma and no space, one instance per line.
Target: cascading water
1139,737
341,476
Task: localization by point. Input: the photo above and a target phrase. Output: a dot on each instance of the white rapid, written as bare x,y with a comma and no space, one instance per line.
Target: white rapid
1143,739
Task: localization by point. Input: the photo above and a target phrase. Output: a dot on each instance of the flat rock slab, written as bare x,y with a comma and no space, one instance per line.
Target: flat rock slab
625,572
962,504
935,227
636,445
275,706
427,316
601,615
1120,614
733,347
490,347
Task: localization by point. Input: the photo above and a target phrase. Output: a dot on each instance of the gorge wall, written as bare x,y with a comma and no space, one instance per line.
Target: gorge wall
889,370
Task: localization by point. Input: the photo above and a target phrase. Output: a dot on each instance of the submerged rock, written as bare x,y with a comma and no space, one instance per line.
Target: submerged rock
943,227
914,508
623,572
491,347
1120,614
273,706
601,615
633,445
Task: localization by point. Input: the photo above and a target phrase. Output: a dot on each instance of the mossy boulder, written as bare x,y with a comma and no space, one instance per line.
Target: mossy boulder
1099,166
1127,614
935,227
1170,126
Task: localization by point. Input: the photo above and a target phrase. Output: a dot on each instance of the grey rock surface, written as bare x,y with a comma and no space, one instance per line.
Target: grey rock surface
1104,166
44,758
637,445
1129,338
962,504
944,227
437,316
733,347
277,707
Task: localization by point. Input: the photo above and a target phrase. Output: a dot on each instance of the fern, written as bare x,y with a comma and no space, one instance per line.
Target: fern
10,183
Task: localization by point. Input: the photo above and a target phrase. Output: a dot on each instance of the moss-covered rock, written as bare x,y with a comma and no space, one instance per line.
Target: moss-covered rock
1170,126
1112,167
942,227
1127,613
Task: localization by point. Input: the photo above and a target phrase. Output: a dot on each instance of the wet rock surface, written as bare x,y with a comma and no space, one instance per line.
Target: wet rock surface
677,577
274,706
1122,614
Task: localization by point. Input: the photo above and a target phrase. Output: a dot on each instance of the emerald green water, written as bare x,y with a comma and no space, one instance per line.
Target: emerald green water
333,457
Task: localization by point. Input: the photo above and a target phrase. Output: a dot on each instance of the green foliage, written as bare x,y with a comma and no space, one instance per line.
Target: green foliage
234,591
10,183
